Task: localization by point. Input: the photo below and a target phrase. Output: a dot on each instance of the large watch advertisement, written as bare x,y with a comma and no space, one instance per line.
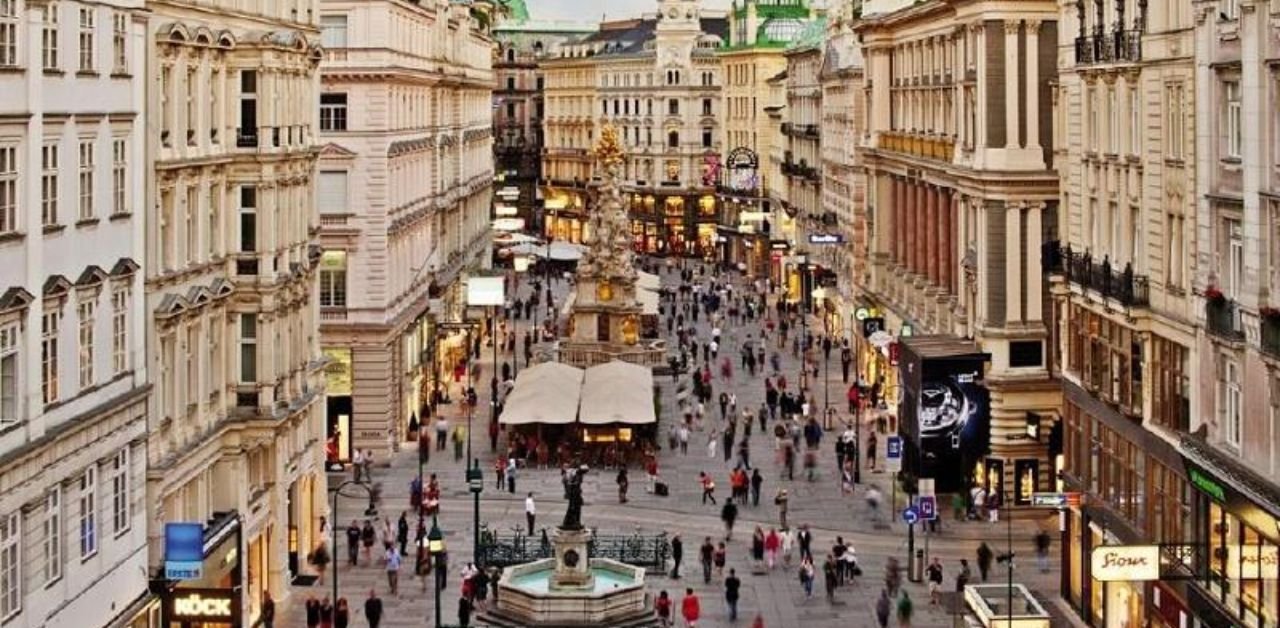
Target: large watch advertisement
945,414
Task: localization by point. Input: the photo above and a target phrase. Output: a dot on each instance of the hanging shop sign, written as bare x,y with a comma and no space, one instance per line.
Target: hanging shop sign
183,551
826,238
1120,563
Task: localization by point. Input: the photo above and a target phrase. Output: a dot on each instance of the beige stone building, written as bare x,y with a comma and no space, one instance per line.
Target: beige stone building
73,372
1123,318
807,265
658,81
236,420
958,157
759,33
404,198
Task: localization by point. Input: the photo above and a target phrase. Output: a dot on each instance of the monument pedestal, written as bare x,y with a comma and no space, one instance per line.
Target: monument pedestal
573,564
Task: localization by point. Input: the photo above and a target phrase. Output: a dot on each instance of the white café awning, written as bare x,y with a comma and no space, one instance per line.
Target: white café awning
648,302
648,281
546,393
617,392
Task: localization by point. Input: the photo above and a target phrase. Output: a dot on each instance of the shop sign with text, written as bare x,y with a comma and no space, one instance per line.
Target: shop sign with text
1132,563
215,606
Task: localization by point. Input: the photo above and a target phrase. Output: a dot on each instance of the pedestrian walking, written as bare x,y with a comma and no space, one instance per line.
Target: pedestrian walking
357,466
677,555
690,608
464,611
268,610
905,609
729,515
511,475
662,608
706,554
312,609
341,614
731,586
402,532
708,487
530,511
984,560
392,558
373,609
623,483
720,558
772,543
933,574
757,481
367,537
962,578
1042,550
781,500
806,576
353,542
830,577
805,540
882,609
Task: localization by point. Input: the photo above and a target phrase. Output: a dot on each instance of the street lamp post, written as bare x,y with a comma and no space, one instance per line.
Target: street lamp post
435,547
475,481
334,519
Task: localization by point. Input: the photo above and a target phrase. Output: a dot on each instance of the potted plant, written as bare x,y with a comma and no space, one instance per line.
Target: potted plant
1214,295
1271,313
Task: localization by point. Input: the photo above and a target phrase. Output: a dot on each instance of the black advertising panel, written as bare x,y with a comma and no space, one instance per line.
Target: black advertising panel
945,409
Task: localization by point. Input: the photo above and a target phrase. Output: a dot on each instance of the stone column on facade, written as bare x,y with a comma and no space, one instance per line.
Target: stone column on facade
1035,296
895,244
980,89
908,223
931,234
1033,85
917,226
1012,261
954,220
1013,138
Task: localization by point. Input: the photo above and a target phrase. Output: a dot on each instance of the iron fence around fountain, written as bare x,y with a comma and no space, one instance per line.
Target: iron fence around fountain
649,551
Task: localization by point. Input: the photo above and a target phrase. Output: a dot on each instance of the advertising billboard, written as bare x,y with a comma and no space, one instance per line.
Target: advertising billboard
945,412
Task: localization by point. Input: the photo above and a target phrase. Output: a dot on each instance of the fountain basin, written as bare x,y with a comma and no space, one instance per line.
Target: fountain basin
614,592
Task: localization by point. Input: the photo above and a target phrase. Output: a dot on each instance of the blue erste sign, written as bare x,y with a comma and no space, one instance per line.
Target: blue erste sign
183,551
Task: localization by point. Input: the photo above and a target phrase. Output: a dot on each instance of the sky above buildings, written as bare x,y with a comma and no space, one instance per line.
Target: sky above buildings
593,10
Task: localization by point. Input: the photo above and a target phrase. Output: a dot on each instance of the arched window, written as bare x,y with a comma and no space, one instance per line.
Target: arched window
511,55
537,47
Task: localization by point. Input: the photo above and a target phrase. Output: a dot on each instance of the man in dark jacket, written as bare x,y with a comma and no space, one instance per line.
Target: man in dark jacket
373,609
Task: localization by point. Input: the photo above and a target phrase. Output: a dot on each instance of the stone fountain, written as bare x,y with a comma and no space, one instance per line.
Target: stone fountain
572,589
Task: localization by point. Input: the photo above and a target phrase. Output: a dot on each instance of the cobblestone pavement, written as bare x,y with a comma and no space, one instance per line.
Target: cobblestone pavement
776,596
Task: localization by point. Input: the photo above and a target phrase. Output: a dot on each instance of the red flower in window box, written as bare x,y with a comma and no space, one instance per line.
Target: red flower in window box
1270,313
1214,295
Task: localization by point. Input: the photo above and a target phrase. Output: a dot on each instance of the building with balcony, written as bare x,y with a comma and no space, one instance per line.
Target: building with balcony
658,82
236,419
962,192
759,33
1124,324
801,166
1233,457
404,197
73,369
519,106
843,186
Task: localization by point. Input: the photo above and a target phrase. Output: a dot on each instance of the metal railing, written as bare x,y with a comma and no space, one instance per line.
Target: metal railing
503,550
1109,47
1121,285
1222,319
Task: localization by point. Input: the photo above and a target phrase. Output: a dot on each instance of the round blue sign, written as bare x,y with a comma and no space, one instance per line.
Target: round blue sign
910,515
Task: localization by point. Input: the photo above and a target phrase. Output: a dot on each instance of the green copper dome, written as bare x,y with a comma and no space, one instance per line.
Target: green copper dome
517,12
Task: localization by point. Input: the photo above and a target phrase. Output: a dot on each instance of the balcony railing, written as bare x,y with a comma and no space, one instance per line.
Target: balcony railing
1117,46
1123,285
1271,334
1222,319
919,145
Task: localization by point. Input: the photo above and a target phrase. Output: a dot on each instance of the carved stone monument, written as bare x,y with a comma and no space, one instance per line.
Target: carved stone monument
606,310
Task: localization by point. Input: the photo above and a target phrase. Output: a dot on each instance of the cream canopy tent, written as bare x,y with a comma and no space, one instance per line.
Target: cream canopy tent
546,393
648,281
648,302
617,392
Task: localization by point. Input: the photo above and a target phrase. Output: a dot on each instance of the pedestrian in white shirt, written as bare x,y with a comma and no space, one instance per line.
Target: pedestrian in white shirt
530,511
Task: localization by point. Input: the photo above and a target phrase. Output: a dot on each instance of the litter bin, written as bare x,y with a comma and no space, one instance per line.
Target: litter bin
916,571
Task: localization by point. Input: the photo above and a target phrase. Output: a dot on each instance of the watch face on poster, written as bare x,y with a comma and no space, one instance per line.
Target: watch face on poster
943,406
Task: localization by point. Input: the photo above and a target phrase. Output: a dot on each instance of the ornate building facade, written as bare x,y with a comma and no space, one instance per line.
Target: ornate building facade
236,419
1123,318
658,81
519,106
404,197
958,155
802,272
73,372
759,33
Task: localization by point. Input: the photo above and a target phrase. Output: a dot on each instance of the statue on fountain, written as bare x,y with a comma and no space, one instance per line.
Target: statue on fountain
573,489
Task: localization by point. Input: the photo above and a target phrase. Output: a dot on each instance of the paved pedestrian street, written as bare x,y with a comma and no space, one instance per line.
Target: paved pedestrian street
776,596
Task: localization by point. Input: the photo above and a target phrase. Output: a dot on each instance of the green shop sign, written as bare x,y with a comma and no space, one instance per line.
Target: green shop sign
1207,485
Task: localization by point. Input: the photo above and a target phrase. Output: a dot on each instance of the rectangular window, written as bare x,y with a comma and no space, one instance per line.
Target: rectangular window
192,113
49,355
86,180
673,107
1135,121
331,192
333,31
120,330
86,312
1232,122
166,104
248,219
248,135
1233,274
215,220
8,189
706,106
1091,118
49,184
51,534
333,112
120,519
9,339
1229,9
88,513
706,138
9,33
1173,120
248,348
119,176
119,37
10,564
49,36
86,39
191,225
1232,403
333,279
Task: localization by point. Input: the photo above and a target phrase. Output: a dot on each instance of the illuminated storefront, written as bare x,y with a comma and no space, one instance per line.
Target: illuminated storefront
338,388
206,592
1238,524
673,225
